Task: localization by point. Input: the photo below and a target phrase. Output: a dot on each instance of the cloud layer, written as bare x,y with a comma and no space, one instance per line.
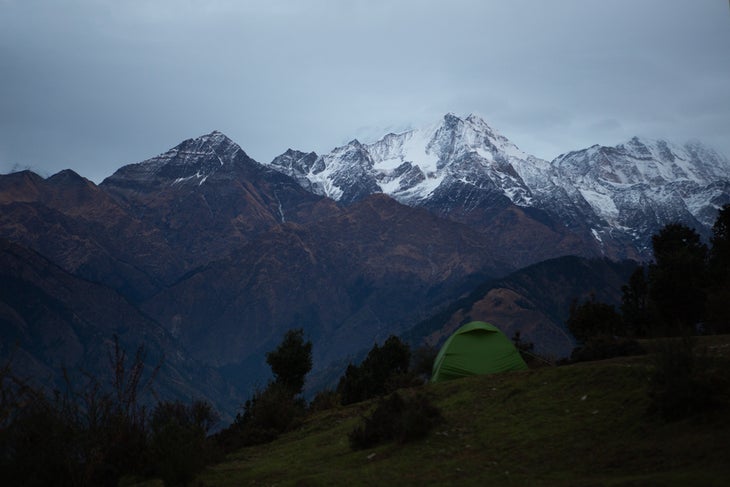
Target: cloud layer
95,84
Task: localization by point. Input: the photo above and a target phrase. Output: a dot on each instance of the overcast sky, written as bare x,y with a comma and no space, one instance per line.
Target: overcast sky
93,85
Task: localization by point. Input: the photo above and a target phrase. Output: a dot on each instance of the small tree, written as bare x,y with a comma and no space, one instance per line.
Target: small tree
291,361
377,373
677,278
601,331
276,408
268,413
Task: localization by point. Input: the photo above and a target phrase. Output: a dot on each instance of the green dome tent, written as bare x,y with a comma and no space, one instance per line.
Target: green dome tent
476,348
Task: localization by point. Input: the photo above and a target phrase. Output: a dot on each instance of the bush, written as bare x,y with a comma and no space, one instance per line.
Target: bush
88,434
684,383
37,445
593,318
178,446
266,415
396,418
377,373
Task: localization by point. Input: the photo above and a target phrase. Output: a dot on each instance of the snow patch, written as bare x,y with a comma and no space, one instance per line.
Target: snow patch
596,235
601,203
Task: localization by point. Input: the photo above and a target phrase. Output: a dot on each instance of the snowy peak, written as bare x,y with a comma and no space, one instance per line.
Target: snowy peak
473,133
453,136
631,190
192,161
213,149
644,161
706,163
295,161
411,165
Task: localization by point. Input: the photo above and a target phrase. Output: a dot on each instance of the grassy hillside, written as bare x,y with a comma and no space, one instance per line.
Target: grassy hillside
583,424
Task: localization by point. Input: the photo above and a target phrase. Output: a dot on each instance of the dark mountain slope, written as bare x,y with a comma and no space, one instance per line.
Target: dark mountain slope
50,319
208,197
349,280
71,221
534,301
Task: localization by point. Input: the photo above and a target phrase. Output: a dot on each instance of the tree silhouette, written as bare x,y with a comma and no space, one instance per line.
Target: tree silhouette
291,361
372,377
593,318
677,278
635,304
718,311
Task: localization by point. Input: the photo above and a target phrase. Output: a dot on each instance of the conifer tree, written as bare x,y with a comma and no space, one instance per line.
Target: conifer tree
291,361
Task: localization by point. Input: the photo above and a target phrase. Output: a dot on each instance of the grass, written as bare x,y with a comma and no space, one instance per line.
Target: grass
584,424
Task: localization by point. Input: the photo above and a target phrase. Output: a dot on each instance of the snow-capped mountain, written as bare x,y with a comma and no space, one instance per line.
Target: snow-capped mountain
616,197
208,186
191,162
637,187
412,165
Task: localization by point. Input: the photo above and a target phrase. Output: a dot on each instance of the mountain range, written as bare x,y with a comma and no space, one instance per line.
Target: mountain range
596,201
208,256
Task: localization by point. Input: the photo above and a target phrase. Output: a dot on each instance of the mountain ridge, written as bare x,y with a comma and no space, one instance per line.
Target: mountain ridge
598,193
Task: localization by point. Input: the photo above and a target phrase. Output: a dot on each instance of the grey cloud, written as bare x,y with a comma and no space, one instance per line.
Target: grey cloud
94,84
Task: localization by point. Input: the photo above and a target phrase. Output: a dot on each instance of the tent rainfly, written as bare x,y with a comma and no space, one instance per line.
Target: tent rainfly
476,348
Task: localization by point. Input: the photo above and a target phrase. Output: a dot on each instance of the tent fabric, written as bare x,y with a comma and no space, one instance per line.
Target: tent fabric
476,348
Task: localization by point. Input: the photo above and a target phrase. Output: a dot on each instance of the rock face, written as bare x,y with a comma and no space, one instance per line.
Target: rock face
597,201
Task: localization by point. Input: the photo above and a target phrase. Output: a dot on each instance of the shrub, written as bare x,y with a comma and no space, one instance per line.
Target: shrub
593,318
266,415
371,378
37,445
396,418
178,446
88,434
